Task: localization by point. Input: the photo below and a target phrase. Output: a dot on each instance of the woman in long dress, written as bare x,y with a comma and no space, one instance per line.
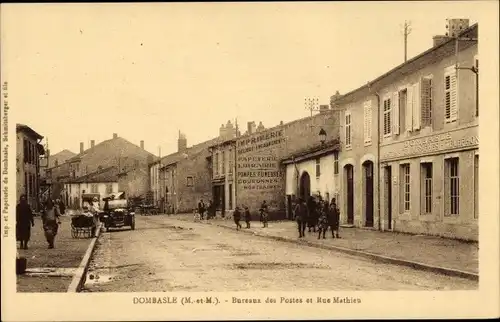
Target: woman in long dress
24,222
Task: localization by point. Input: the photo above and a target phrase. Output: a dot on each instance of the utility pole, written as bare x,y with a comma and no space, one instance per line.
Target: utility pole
406,32
311,104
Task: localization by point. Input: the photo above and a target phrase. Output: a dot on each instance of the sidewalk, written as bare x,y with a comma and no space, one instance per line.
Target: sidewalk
448,256
51,270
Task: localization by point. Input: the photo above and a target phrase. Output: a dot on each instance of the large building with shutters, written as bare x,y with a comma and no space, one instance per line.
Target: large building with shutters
410,153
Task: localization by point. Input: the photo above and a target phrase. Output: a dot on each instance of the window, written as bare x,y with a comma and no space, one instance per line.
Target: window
216,164
476,65
26,185
476,186
406,107
94,188
452,187
223,165
230,196
230,170
426,101
335,162
26,151
450,94
348,130
426,192
405,188
189,181
367,113
318,167
387,117
109,188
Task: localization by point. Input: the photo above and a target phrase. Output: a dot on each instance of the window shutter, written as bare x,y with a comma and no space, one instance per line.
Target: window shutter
453,97
367,108
395,112
425,101
416,106
409,109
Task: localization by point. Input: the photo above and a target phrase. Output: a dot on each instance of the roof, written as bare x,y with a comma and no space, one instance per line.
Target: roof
177,156
109,174
411,62
313,152
28,130
113,145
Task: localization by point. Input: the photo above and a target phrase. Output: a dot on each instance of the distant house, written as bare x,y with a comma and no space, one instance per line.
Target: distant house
99,183
134,183
29,151
116,152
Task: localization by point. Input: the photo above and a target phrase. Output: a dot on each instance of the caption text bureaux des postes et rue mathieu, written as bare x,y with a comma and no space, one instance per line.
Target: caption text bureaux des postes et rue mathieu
237,300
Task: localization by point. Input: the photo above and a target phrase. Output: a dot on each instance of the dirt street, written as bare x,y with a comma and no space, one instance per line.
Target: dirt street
165,254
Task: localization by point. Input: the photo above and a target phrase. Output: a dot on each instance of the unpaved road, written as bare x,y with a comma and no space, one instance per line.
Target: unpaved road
165,254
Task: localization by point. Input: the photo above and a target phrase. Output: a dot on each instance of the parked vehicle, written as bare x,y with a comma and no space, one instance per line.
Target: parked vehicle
116,213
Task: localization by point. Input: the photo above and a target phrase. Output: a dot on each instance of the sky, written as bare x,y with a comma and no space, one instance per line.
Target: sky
81,72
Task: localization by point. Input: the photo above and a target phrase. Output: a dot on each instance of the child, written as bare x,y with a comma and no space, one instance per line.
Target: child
247,217
237,217
263,216
322,224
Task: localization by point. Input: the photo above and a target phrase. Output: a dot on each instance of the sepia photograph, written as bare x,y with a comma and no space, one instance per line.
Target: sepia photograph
221,160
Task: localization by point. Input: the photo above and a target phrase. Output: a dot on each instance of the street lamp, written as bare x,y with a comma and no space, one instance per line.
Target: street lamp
322,136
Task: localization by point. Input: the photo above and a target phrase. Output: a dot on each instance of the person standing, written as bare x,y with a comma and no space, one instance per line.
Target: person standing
201,209
313,214
334,218
248,217
301,216
50,219
62,207
237,217
24,222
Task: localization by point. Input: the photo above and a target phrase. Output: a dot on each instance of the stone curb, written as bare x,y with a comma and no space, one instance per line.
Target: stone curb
377,257
81,272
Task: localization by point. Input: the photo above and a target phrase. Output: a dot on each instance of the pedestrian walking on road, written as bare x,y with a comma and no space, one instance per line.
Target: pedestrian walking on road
313,214
24,222
248,217
334,218
237,217
62,207
301,214
50,219
201,209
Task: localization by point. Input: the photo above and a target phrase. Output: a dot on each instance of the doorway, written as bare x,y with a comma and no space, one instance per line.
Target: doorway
219,200
368,207
305,186
349,174
388,193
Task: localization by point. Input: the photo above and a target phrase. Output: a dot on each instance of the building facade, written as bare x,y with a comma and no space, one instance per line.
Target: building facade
134,183
100,183
28,154
410,144
223,178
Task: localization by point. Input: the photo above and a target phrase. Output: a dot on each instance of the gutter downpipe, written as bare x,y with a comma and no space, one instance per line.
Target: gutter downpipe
378,156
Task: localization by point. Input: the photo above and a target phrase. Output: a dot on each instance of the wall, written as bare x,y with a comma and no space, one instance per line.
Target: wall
30,168
134,183
75,190
259,155
433,144
197,167
325,184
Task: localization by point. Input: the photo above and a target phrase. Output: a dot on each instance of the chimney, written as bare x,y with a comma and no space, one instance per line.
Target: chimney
222,131
260,127
438,40
181,142
281,122
323,108
115,135
142,144
81,147
92,143
251,127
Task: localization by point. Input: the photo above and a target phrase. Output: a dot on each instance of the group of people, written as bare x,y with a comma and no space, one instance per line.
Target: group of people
317,213
264,215
203,209
50,220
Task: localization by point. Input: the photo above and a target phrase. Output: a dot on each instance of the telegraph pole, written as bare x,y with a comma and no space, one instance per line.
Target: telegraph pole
406,32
